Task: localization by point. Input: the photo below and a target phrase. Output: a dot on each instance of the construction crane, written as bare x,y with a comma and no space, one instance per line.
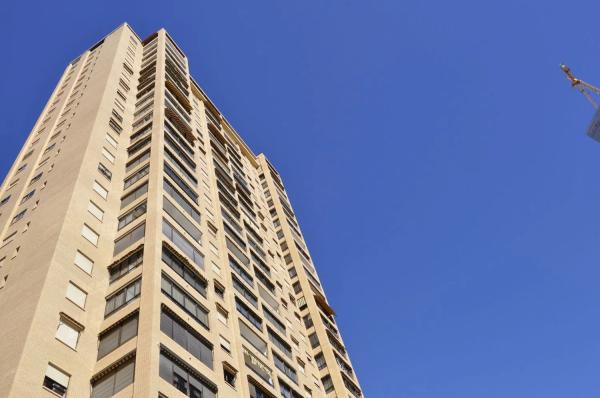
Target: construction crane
587,90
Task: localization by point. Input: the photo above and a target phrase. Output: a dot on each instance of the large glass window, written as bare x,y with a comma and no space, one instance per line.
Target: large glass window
138,175
273,320
247,313
257,366
184,335
280,343
185,205
241,271
131,216
285,368
184,270
237,252
176,372
183,244
128,239
122,297
185,301
180,183
182,220
116,380
135,194
124,266
287,391
132,164
253,338
117,335
244,291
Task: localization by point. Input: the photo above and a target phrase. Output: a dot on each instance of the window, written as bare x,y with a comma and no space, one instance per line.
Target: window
274,321
132,164
76,295
131,216
184,269
83,262
122,297
280,343
327,383
28,154
68,332
129,238
91,235
182,220
104,171
95,210
237,252
248,314
108,155
222,314
185,205
124,266
181,184
115,126
123,85
219,289
185,301
111,141
186,337
229,375
265,295
27,196
285,368
184,378
48,149
251,337
244,291
351,386
225,344
183,244
4,201
116,380
132,196
138,146
117,335
241,271
256,391
257,366
138,175
190,177
320,361
56,381
12,184
120,94
314,340
287,391
100,190
19,216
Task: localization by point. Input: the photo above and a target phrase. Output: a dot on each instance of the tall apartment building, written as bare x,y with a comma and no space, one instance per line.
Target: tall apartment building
146,251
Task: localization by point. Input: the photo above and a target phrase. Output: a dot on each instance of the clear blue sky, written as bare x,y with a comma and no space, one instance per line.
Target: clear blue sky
434,154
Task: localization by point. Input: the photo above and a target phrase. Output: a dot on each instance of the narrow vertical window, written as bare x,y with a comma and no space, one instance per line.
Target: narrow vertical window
83,262
89,234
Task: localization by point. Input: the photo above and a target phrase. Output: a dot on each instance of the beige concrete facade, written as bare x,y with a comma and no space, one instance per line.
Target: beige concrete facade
146,251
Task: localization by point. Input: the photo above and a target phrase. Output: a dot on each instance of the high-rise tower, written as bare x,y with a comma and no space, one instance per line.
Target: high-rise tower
146,251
